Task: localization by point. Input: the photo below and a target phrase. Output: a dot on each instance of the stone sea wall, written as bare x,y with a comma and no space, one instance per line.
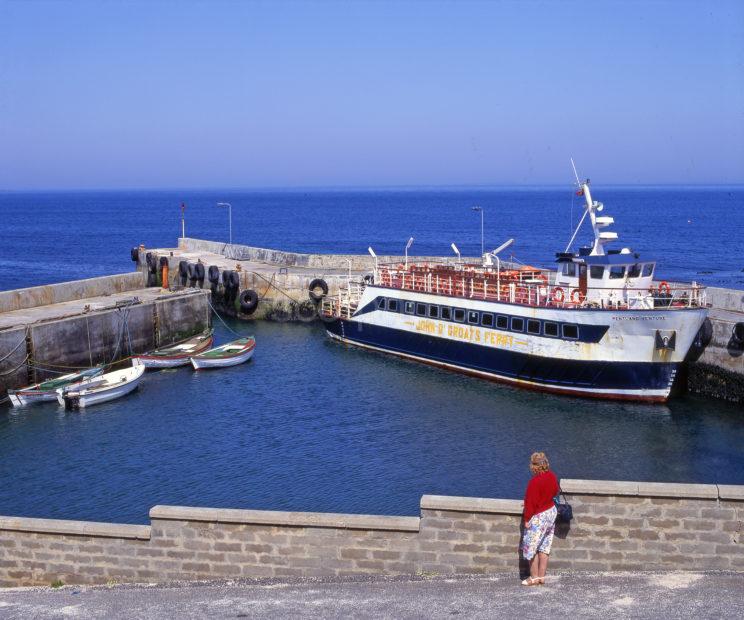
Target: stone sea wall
616,526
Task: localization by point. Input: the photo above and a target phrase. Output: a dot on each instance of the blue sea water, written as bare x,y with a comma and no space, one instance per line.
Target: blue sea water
313,425
695,233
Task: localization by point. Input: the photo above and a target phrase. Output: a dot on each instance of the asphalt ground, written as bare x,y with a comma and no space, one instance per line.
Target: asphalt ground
565,595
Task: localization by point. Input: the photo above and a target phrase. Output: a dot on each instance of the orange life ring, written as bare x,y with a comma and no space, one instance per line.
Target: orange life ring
558,295
664,285
577,296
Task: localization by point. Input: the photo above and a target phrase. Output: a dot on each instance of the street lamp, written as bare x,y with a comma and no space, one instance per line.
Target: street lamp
481,214
229,215
456,251
408,245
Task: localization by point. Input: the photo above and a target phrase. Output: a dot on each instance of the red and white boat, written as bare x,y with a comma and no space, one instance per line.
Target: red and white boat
177,354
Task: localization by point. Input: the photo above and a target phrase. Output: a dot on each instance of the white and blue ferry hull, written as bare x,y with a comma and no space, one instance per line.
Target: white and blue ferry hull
615,354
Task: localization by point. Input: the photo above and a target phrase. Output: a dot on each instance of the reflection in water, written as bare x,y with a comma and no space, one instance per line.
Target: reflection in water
313,425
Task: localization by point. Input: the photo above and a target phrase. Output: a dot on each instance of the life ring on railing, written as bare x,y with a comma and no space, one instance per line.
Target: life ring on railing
559,295
578,296
664,286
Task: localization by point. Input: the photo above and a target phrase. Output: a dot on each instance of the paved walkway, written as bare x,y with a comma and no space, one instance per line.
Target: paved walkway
567,595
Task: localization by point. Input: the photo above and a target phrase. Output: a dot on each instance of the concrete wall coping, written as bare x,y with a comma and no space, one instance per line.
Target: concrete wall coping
642,489
291,519
75,528
472,504
731,491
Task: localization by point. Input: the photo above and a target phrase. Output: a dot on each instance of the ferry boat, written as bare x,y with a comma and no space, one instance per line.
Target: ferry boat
598,326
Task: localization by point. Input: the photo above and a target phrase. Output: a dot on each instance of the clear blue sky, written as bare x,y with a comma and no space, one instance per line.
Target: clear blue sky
249,94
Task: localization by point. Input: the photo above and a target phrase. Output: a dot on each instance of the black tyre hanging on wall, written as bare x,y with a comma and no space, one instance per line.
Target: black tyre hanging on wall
318,283
234,280
248,301
135,254
213,274
199,270
738,333
163,261
152,262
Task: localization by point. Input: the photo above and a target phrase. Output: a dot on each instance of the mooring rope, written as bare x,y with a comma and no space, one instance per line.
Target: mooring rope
15,348
232,331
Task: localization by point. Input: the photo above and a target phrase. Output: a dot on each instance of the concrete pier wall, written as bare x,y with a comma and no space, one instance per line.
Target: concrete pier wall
99,337
616,526
23,298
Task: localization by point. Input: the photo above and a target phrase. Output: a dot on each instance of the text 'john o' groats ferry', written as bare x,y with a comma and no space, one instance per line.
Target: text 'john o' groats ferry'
599,326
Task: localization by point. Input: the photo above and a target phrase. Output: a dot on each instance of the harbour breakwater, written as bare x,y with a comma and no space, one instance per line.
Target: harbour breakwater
49,330
616,526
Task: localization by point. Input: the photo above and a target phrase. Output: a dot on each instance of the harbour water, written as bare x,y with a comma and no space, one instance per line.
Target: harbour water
312,425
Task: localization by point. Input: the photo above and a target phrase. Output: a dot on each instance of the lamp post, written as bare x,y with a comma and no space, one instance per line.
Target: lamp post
408,245
229,215
481,214
456,251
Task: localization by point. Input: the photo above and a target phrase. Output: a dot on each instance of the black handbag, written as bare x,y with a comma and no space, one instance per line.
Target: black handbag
565,512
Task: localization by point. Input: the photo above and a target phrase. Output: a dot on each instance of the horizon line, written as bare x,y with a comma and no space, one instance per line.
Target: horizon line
366,188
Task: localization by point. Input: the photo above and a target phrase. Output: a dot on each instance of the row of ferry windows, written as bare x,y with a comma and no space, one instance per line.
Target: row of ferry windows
596,272
485,319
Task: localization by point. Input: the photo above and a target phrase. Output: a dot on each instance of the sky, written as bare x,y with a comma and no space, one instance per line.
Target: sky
99,95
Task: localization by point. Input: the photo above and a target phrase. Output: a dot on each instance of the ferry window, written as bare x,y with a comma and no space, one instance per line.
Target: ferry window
533,327
459,315
569,269
551,329
571,331
634,271
596,272
409,307
421,309
446,313
487,320
648,270
517,325
502,322
434,312
381,304
393,305
617,272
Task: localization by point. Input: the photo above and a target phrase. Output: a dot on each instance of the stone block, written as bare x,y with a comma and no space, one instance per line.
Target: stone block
354,554
599,487
471,504
731,492
666,489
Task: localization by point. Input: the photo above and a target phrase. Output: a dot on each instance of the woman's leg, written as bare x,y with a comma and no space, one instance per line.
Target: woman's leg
535,566
542,560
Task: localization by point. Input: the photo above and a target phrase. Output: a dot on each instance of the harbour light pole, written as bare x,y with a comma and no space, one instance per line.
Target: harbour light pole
481,214
408,245
229,215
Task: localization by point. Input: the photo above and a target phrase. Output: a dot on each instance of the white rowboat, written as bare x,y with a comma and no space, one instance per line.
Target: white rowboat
101,389
230,354
47,390
177,354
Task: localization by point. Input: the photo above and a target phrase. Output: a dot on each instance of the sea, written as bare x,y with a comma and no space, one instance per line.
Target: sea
311,425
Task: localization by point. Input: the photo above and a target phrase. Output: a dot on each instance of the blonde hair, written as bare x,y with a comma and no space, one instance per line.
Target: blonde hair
539,463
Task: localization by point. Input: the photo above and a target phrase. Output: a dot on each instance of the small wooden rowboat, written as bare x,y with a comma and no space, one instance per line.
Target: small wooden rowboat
47,390
177,354
107,387
230,354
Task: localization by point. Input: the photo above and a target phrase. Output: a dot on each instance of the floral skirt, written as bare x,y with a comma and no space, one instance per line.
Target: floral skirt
538,533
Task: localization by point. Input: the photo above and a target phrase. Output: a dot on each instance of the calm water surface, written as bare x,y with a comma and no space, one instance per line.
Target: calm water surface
312,425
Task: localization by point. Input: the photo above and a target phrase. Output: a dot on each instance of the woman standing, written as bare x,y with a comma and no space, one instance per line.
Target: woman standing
539,518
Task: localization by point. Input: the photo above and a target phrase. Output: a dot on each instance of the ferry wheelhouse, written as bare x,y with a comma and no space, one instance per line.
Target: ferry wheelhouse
598,326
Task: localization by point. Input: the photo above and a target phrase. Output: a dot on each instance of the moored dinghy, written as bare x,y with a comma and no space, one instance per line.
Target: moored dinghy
47,390
109,386
230,354
177,354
